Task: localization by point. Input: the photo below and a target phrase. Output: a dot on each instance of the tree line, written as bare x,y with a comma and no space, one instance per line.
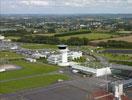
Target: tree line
115,44
18,32
53,40
72,33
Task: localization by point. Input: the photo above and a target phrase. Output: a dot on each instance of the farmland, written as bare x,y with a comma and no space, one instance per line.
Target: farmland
124,38
91,36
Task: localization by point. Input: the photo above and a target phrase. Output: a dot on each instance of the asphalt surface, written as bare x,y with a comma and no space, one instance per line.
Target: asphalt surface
69,90
79,89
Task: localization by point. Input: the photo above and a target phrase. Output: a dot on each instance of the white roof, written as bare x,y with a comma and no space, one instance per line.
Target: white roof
1,37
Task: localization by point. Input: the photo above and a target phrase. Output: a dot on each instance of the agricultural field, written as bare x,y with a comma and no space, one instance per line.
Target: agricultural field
124,38
91,36
38,46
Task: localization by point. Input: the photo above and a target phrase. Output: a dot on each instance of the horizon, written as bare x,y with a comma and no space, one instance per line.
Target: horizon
66,7
66,14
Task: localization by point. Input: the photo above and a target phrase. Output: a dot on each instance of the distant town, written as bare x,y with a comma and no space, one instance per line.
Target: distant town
66,57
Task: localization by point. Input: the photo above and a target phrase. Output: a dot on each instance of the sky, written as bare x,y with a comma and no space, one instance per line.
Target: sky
65,6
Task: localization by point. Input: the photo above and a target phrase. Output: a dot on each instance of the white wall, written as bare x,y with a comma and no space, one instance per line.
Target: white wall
103,71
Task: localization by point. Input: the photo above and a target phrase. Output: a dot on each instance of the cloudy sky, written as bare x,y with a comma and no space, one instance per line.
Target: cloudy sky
65,6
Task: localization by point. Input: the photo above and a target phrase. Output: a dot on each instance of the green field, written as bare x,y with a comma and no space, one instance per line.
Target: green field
32,75
91,36
27,69
13,37
9,55
38,46
41,81
46,34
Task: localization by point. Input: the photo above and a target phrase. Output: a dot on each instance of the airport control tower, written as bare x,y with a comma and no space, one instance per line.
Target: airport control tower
64,57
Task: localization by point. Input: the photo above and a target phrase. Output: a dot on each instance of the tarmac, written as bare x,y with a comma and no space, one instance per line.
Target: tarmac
79,89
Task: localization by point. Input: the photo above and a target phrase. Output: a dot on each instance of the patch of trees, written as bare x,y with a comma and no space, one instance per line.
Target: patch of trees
115,44
20,32
80,60
53,40
72,33
40,39
77,41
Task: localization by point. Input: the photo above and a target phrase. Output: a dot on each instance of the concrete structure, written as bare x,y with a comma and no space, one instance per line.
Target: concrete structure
63,55
97,72
60,59
54,59
74,54
118,90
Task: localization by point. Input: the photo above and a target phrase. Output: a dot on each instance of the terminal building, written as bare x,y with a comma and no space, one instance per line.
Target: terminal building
74,54
54,59
61,59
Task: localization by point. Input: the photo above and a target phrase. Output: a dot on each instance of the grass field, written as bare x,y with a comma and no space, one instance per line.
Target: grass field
13,37
91,36
32,75
48,34
27,69
9,55
41,81
38,46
